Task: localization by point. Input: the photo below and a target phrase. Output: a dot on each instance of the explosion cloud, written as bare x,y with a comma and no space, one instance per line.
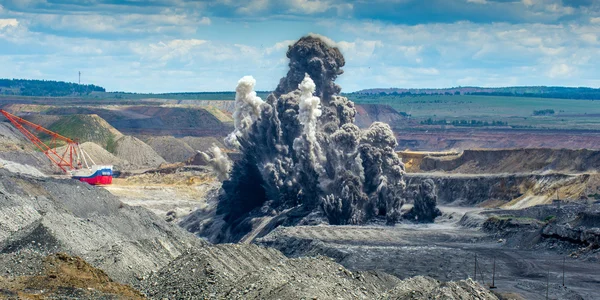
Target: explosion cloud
425,209
218,161
302,156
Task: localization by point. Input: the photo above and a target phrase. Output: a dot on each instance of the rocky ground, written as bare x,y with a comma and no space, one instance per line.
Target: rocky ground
446,251
132,246
438,139
61,276
138,153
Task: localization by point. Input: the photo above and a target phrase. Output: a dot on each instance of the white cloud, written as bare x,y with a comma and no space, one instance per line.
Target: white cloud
360,51
528,2
560,70
205,21
279,46
166,51
477,1
425,71
560,9
255,6
166,21
377,54
309,6
8,23
591,38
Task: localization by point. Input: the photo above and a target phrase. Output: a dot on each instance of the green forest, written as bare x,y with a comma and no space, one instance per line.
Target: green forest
46,88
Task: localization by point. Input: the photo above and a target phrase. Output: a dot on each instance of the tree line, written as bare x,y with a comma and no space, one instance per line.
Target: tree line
464,123
45,88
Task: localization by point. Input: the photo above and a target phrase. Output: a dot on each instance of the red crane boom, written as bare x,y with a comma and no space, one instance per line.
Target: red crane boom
67,161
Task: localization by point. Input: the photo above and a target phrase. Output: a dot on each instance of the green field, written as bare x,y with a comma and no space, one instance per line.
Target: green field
516,111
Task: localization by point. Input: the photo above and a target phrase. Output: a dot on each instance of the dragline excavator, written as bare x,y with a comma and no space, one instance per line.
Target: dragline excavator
70,161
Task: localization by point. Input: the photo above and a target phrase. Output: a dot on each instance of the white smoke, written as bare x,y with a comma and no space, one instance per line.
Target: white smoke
219,162
247,110
310,108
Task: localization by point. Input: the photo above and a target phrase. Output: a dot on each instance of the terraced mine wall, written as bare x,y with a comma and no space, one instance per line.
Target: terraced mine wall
514,161
447,139
531,189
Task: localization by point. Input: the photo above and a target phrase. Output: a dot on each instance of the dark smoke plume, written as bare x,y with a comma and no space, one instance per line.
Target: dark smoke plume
425,208
302,153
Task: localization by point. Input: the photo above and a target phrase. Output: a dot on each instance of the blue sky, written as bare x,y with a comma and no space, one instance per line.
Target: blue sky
184,45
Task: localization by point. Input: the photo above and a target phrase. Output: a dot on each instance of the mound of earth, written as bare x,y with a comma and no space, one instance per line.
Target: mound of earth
421,287
100,156
170,148
232,271
86,128
48,215
64,276
14,147
158,120
21,169
42,119
137,152
515,161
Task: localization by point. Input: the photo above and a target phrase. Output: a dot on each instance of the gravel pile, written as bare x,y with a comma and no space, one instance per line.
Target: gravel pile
9,134
170,148
421,287
234,271
53,215
24,262
64,277
16,148
136,152
21,169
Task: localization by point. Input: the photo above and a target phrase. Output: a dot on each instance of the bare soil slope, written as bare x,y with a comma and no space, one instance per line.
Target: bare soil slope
366,114
515,161
63,276
138,153
170,148
85,128
16,148
157,120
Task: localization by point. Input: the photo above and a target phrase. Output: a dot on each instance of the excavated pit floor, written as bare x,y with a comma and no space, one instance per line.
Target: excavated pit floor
444,251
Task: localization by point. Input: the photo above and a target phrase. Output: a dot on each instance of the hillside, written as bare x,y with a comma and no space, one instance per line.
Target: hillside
85,128
16,148
45,88
506,161
158,120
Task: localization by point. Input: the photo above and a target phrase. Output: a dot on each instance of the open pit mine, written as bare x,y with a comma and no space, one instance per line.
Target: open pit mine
300,195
